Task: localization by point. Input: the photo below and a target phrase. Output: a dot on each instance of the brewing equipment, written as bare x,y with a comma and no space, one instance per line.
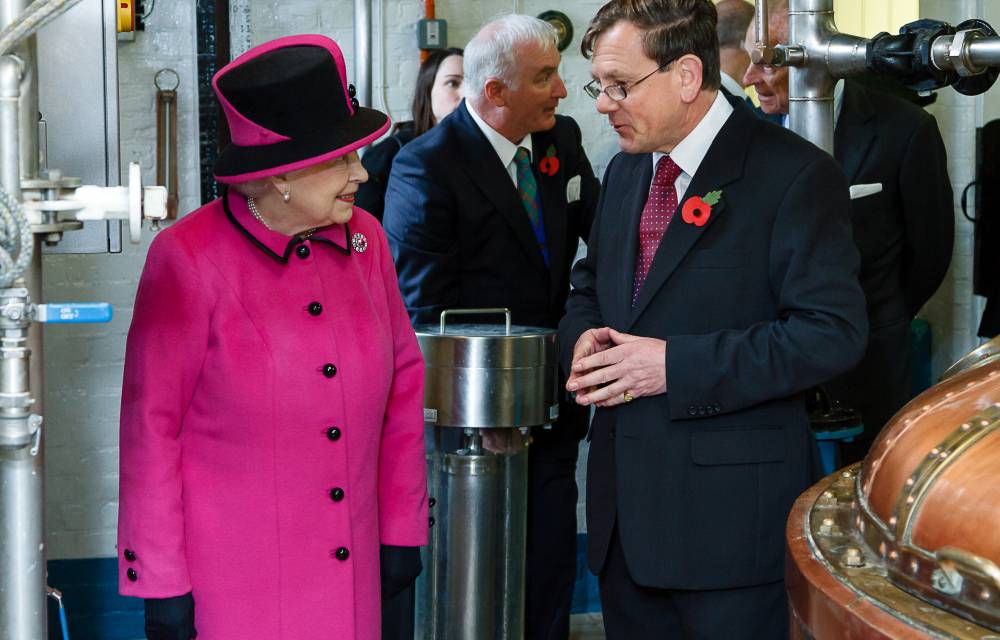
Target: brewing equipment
904,545
486,386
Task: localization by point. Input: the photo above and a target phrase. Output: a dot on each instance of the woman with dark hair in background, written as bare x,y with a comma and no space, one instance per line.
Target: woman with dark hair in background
438,92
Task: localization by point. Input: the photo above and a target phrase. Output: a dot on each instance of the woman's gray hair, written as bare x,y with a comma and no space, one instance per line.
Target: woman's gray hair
251,188
492,51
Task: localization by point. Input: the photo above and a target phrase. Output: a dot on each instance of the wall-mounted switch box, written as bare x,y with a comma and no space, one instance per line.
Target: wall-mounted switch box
432,34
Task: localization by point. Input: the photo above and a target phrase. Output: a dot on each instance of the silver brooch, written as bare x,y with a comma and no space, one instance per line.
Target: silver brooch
359,242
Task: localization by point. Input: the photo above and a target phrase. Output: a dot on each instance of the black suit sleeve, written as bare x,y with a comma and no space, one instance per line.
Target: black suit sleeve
583,311
821,329
928,215
581,212
420,224
377,162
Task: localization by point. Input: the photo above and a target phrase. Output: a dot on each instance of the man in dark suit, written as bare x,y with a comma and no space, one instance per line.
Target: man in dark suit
904,224
477,216
720,283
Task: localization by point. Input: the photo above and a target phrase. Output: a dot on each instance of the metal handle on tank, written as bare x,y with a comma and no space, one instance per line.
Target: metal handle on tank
467,312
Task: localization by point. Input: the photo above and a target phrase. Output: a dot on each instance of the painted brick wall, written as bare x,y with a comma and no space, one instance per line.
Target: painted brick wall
83,364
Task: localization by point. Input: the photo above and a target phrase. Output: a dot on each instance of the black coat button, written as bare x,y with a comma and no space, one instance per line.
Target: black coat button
132,575
315,308
333,433
329,370
336,494
432,502
430,522
611,434
342,553
302,251
130,555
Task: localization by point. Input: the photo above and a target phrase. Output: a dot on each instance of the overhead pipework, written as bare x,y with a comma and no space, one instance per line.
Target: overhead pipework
926,55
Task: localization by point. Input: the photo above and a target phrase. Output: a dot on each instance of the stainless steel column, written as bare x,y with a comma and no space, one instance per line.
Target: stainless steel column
485,387
471,574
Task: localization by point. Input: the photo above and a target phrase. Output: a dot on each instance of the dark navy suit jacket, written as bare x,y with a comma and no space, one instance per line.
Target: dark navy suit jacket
756,306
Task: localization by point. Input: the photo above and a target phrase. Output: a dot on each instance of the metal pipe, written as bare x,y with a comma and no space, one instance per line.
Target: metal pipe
473,500
810,86
363,51
985,52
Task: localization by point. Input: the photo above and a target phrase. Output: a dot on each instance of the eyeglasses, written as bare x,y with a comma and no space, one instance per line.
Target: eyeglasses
617,92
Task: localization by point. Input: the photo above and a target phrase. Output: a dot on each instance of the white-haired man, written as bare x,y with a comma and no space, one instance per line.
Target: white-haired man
477,216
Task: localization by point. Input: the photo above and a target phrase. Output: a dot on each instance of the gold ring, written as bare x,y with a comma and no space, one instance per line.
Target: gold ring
627,397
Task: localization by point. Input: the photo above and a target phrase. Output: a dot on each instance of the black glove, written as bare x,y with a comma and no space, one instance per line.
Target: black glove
170,618
400,568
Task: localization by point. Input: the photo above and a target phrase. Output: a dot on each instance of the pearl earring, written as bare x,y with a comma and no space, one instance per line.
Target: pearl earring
286,195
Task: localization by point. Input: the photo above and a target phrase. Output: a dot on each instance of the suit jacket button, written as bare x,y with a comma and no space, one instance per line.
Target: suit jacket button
718,407
611,434
130,555
430,522
342,554
333,433
315,308
132,575
692,411
329,370
336,494
302,251
432,502
701,411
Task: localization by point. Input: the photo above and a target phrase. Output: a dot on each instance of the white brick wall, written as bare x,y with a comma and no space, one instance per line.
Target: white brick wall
83,363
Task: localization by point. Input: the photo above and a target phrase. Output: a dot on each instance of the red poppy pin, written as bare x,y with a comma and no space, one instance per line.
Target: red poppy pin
697,210
549,165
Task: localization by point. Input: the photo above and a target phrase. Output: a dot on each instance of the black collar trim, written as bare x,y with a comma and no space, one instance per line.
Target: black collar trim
292,243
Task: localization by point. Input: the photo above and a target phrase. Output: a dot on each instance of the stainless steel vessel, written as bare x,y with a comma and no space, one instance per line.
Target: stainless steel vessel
486,385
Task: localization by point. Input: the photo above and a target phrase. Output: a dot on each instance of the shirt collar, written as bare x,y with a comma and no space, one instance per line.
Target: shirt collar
278,245
690,151
504,148
732,86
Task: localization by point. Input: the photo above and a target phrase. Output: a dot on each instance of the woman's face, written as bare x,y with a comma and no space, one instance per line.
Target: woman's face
323,194
446,94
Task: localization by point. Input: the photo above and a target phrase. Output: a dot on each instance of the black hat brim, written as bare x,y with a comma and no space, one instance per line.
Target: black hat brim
241,164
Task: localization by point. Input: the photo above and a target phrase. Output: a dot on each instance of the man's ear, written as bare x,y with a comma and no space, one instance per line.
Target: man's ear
689,73
495,92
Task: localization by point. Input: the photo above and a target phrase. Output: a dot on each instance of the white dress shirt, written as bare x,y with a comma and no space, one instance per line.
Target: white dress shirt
505,148
690,151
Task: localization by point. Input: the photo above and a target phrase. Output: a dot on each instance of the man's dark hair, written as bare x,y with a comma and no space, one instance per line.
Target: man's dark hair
735,17
670,29
423,114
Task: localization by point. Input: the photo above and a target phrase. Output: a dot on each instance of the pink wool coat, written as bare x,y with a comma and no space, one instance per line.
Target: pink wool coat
271,427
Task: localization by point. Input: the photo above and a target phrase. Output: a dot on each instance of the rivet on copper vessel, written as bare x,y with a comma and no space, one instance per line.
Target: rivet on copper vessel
926,407
881,549
935,451
846,474
892,521
944,454
828,495
966,426
985,594
910,481
949,394
893,555
909,499
914,566
857,522
984,423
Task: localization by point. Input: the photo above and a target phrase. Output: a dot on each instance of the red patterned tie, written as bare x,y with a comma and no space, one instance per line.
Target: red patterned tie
656,215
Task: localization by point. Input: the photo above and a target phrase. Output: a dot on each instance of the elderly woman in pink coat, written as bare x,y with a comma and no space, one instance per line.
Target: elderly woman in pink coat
271,426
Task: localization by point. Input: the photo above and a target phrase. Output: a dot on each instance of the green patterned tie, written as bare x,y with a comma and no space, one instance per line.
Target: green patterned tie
527,188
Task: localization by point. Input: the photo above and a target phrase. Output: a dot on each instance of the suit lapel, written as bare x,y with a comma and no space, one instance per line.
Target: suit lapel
639,173
553,192
484,169
722,165
855,113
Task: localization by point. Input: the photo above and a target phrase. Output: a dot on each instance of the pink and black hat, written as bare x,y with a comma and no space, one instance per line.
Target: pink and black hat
289,106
